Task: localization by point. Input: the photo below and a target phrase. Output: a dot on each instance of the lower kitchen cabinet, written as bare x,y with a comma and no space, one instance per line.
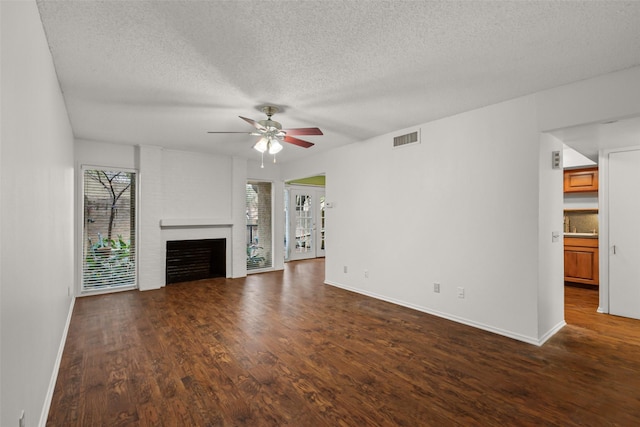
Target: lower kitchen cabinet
581,260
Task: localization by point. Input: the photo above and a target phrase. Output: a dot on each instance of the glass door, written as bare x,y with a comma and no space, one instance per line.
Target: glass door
306,223
301,216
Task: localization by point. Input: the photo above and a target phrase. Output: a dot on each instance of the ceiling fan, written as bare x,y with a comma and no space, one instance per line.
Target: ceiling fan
272,135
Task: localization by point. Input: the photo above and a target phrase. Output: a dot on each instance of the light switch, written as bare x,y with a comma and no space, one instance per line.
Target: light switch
556,160
555,236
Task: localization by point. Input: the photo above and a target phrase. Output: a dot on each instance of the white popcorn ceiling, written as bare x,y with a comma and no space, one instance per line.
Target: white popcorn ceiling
165,73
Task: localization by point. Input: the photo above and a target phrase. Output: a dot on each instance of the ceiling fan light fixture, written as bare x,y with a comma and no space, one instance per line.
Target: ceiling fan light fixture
274,146
262,145
272,136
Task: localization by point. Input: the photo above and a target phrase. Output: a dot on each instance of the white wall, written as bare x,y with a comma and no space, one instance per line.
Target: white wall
36,219
611,96
1,138
460,209
94,153
581,201
551,249
572,159
196,185
151,253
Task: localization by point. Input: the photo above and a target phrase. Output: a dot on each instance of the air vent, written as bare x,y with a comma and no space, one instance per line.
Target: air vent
407,139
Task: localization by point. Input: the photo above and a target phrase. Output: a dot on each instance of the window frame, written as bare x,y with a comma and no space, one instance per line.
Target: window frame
80,211
249,181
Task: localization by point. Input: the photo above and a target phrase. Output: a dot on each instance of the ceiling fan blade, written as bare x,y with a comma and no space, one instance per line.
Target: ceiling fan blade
303,131
298,142
246,133
254,123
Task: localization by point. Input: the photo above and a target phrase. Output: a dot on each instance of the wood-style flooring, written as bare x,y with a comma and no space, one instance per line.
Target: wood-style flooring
282,348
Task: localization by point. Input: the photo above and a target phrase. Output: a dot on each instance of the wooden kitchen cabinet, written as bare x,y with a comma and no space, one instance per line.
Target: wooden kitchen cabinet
581,180
581,260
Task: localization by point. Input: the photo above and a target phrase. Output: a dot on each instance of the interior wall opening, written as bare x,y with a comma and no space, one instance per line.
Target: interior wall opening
586,188
305,220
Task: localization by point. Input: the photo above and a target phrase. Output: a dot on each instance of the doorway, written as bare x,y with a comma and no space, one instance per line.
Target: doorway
614,144
304,222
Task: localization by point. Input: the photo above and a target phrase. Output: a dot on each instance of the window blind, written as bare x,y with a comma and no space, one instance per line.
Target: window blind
259,225
109,246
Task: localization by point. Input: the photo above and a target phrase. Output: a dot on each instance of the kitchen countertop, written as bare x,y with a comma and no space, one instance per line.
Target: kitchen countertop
582,235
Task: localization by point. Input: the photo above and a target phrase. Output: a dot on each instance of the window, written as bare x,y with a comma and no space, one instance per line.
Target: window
259,225
108,236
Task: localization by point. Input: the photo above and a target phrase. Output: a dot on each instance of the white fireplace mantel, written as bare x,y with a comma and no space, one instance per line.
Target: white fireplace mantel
195,222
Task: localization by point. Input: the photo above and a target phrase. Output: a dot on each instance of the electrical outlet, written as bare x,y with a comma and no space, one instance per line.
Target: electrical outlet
366,274
436,288
460,292
345,269
21,422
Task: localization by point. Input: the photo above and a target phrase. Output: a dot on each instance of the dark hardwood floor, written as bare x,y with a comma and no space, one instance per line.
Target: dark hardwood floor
282,348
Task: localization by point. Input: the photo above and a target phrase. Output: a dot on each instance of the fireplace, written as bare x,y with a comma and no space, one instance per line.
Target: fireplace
189,260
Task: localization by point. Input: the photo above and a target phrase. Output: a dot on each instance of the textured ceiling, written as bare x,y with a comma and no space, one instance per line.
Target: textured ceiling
165,73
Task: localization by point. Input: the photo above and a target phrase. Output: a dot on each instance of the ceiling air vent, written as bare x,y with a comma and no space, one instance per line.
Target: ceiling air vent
407,139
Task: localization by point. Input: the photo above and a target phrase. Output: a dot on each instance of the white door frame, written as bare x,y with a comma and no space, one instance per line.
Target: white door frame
316,192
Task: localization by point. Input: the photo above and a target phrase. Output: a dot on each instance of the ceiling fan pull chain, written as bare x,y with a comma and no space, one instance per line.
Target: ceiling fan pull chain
262,165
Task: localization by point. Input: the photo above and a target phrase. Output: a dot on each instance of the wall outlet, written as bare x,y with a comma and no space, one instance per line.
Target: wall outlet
460,292
366,274
345,269
21,422
436,288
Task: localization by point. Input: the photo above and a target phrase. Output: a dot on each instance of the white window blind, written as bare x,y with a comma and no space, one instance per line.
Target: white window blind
259,225
109,247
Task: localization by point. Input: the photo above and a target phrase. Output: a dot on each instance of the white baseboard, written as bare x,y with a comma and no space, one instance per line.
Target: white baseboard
56,368
552,332
503,332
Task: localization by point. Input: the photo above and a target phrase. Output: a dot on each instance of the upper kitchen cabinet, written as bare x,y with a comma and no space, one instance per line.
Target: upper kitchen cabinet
581,180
